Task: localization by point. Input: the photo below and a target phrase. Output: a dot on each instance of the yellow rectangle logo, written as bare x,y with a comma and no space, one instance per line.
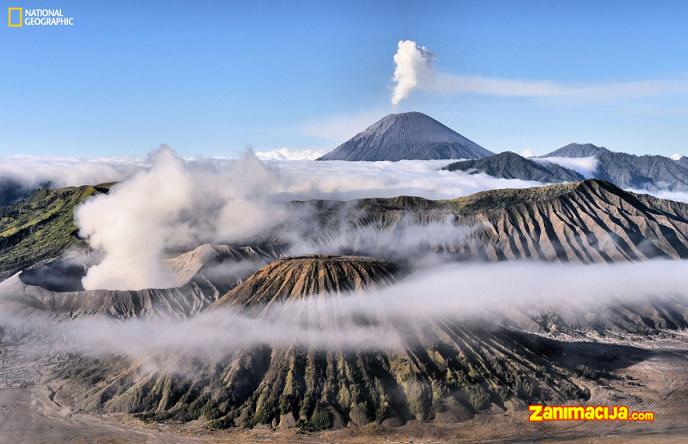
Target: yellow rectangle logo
15,24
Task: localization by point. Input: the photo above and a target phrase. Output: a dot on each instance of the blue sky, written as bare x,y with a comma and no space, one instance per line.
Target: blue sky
213,77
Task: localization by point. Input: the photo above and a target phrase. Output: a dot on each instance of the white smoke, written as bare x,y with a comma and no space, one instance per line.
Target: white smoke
170,204
413,66
173,204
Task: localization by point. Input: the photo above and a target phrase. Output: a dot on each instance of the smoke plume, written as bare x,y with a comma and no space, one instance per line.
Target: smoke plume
174,204
413,66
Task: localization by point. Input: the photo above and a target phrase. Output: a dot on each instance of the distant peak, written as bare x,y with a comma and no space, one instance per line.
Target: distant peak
578,150
409,135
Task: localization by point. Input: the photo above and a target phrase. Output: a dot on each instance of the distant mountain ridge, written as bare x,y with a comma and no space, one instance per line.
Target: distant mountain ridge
412,136
578,150
510,165
628,171
649,172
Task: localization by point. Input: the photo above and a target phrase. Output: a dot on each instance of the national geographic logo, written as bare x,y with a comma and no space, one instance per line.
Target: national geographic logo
15,17
18,17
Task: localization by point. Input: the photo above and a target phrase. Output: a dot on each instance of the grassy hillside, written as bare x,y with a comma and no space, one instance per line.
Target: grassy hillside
40,227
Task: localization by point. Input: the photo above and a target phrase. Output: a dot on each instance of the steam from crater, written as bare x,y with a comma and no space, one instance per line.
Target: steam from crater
174,204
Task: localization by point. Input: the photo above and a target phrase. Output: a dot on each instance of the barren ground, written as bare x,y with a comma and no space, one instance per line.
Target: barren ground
30,411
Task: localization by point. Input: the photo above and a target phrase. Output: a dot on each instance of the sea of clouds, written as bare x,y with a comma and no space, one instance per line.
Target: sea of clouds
165,202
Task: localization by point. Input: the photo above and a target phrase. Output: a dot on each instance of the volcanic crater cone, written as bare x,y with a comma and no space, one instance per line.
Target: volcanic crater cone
444,370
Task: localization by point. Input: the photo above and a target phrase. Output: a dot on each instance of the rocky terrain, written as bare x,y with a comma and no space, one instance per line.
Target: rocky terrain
410,135
445,372
588,221
439,371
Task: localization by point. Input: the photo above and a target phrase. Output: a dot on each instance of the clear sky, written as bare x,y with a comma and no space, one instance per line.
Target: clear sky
213,77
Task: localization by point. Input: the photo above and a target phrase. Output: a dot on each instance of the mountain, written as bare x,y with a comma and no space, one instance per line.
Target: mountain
578,150
12,190
588,221
204,274
683,161
40,227
410,135
628,170
508,165
296,278
445,372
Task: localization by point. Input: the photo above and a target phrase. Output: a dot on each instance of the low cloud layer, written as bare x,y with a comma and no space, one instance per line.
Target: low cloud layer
179,204
585,166
290,154
20,175
167,204
364,320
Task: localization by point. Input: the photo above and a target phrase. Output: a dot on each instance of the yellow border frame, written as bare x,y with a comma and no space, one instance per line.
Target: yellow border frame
9,17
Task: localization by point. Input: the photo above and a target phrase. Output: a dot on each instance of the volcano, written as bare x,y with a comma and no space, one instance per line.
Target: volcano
411,135
444,371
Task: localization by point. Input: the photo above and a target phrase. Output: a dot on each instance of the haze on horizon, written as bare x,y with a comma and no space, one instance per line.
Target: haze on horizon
211,79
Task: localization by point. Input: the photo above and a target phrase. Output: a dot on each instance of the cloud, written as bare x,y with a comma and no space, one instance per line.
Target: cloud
179,204
585,166
27,173
413,67
447,83
166,203
290,154
461,292
678,196
342,180
675,156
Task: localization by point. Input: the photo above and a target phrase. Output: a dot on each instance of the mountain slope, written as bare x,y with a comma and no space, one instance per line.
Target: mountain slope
179,302
630,171
508,165
410,135
205,273
445,371
295,278
589,221
40,227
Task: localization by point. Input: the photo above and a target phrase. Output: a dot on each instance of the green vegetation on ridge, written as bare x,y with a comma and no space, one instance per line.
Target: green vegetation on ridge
40,227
